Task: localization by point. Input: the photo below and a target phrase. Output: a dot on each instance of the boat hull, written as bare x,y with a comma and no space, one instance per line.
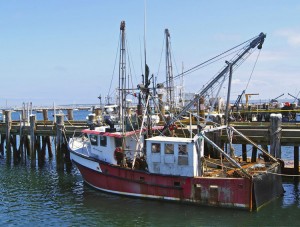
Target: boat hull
243,193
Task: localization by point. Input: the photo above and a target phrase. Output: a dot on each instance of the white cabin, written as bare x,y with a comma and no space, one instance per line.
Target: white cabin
104,144
174,155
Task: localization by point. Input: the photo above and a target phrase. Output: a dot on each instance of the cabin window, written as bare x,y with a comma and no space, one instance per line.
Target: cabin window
182,149
155,148
94,140
103,141
183,154
169,148
118,142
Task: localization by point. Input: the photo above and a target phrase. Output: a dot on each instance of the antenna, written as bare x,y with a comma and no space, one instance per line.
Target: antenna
145,3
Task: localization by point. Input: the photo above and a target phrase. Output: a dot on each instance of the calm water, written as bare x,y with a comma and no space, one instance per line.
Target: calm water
42,196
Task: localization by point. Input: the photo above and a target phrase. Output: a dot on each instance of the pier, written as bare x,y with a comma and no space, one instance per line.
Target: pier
277,134
33,138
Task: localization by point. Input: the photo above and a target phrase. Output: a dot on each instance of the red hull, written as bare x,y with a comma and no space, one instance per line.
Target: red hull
221,192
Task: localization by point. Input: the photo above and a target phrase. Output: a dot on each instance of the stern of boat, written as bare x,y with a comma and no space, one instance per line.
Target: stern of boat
267,186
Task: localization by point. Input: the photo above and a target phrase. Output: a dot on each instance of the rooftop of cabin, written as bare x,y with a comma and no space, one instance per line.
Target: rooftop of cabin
171,139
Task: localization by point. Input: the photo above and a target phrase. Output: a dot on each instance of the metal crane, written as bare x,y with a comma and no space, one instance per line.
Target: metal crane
275,99
256,42
248,96
238,100
296,98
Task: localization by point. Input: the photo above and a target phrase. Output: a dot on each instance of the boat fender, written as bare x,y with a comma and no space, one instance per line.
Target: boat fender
172,127
118,154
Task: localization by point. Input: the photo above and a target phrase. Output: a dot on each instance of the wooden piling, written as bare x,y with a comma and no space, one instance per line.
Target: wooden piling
59,142
265,147
41,157
49,146
32,141
275,135
2,144
44,145
3,116
296,160
67,156
254,154
45,115
23,116
8,122
21,137
244,152
16,154
70,115
21,145
27,145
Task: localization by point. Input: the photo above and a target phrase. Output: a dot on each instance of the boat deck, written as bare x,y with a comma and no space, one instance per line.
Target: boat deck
222,168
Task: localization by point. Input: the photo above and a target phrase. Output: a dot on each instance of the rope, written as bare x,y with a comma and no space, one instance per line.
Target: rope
279,174
68,121
63,130
277,131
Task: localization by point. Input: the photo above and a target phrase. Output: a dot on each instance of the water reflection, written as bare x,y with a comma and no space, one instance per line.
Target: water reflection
45,197
292,194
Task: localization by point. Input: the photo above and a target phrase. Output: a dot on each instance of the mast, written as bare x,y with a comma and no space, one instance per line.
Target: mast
122,88
169,72
147,90
122,77
146,80
181,90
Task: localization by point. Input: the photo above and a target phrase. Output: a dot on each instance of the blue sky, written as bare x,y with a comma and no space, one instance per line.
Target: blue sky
64,51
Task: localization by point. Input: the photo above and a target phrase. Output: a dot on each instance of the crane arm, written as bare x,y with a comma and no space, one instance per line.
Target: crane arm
238,100
247,97
279,96
293,96
257,42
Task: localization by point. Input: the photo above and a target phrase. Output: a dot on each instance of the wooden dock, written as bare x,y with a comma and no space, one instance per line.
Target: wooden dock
260,132
275,134
33,138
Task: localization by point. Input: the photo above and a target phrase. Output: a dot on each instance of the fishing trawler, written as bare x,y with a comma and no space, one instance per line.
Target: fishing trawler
156,162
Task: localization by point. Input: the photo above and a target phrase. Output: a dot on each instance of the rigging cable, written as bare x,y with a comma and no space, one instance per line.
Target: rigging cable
253,69
234,67
162,49
201,64
130,66
174,59
112,77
